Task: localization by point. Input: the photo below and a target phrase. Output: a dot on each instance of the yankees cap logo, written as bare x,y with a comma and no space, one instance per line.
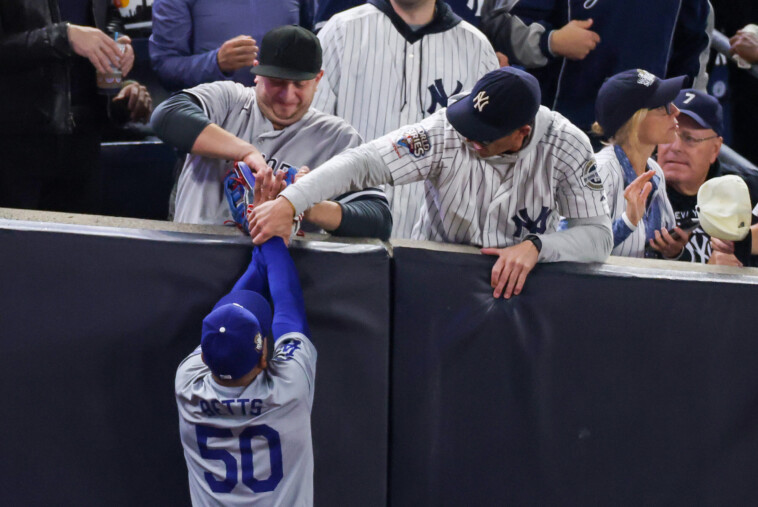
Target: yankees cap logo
481,100
645,78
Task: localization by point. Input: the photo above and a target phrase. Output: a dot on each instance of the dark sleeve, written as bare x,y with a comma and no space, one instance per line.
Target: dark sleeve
286,293
114,22
365,214
27,49
179,120
690,39
307,13
254,278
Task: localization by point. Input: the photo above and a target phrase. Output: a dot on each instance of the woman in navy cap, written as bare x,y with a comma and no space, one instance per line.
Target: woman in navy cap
634,111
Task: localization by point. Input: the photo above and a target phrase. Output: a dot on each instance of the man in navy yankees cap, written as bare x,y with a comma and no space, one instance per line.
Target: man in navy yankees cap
500,103
499,171
690,161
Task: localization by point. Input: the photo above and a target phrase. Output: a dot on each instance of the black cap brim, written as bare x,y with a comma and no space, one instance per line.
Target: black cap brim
463,119
667,91
282,73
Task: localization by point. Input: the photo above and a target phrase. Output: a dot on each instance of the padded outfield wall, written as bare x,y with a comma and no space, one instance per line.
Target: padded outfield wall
618,384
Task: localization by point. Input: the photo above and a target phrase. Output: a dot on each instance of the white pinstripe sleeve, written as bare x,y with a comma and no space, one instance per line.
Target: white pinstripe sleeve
580,191
414,152
332,38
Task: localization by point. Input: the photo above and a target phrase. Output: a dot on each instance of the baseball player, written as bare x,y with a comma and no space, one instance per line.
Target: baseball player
244,418
269,125
389,64
498,170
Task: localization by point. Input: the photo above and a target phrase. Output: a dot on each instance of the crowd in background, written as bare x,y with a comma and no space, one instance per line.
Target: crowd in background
381,65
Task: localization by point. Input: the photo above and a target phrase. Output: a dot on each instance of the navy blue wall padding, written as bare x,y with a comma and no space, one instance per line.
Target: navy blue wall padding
137,178
584,390
93,328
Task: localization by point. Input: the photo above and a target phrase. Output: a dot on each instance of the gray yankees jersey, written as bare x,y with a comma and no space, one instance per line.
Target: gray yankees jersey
379,79
489,202
232,106
612,173
250,445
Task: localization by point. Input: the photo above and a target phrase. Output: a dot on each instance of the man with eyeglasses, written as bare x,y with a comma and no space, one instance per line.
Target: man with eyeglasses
498,172
690,161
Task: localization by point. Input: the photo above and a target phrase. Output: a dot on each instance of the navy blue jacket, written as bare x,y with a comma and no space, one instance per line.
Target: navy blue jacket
665,37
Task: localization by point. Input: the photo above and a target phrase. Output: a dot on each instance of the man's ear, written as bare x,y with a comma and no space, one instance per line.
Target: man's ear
319,76
525,130
716,149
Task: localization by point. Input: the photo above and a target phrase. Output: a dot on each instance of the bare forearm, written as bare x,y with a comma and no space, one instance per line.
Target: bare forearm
216,142
326,214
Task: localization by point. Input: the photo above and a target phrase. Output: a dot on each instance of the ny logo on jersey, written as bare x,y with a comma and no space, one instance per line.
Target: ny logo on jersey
589,4
523,221
439,95
645,78
288,349
481,100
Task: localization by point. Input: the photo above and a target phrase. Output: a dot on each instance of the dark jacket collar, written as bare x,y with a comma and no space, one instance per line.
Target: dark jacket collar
444,19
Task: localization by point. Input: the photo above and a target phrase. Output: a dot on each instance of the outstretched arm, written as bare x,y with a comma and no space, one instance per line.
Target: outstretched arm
254,278
286,293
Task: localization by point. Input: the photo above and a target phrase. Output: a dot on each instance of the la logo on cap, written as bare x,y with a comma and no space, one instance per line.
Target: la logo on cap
645,78
481,100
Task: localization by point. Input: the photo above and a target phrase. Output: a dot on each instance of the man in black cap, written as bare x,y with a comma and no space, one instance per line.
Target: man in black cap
498,171
690,161
271,128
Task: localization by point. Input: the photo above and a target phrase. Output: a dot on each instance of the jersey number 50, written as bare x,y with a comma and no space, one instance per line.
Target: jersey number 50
246,458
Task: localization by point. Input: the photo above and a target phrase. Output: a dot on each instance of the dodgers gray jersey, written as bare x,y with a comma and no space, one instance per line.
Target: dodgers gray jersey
489,202
232,106
612,174
250,445
378,80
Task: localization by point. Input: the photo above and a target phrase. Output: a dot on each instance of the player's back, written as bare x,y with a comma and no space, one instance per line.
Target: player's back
250,445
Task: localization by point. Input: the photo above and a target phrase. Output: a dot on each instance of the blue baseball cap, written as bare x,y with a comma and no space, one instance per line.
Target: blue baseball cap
625,93
233,334
705,109
500,102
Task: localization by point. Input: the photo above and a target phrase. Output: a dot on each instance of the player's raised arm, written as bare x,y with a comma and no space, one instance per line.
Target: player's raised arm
286,293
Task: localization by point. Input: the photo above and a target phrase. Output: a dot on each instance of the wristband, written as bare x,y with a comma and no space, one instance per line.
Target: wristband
536,241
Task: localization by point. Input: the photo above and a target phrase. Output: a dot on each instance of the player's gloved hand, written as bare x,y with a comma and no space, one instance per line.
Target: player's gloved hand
511,268
272,218
236,53
636,196
575,40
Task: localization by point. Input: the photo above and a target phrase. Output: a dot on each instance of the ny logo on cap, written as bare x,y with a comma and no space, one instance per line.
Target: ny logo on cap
481,100
645,78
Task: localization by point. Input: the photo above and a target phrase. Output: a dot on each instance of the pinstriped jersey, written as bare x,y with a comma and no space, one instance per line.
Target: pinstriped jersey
378,80
495,201
312,140
612,174
250,445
